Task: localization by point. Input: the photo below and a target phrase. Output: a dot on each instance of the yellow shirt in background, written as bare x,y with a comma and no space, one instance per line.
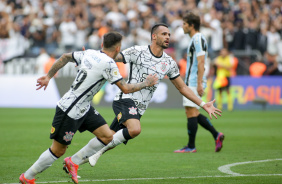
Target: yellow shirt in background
225,61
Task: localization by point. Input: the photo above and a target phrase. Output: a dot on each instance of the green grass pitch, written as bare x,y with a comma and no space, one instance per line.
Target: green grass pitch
250,136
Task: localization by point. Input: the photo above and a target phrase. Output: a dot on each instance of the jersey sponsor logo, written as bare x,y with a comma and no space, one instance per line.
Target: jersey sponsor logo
68,136
119,116
52,130
132,110
87,64
97,59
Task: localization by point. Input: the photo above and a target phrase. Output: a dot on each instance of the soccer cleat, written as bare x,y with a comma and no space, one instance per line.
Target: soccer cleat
218,142
94,158
71,168
23,180
186,150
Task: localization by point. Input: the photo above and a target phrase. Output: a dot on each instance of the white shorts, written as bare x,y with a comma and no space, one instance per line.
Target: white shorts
189,103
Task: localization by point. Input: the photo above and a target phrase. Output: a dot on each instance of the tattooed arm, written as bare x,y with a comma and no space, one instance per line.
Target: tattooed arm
119,58
130,88
59,63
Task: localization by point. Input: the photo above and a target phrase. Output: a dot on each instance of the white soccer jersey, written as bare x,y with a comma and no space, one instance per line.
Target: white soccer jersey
142,63
95,69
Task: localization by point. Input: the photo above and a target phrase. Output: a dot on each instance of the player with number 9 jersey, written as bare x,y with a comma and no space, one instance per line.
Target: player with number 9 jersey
95,69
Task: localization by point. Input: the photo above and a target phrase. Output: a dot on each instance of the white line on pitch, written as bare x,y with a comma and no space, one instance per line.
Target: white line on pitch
161,178
226,168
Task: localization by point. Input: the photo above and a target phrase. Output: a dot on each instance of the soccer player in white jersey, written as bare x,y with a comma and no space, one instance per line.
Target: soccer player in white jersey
143,61
196,80
74,111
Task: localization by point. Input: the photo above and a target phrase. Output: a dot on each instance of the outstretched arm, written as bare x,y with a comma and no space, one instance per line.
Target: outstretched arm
201,70
59,63
188,93
130,88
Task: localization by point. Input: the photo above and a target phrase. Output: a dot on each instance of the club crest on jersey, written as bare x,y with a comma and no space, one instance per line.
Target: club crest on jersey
119,116
68,136
52,130
163,66
132,111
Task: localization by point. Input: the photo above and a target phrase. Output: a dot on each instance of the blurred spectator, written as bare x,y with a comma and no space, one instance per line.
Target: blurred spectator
41,60
26,26
239,40
273,38
68,31
224,66
49,64
262,40
257,69
212,21
182,64
271,62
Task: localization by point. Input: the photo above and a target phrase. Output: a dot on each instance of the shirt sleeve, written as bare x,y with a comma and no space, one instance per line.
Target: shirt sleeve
174,70
111,73
77,57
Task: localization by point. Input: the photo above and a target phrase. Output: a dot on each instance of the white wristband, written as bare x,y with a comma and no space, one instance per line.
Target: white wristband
202,104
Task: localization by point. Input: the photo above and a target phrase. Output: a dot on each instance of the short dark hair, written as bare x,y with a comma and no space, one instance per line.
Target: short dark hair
192,19
155,27
111,38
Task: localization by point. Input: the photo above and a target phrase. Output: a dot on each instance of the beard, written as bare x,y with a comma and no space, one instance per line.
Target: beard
162,44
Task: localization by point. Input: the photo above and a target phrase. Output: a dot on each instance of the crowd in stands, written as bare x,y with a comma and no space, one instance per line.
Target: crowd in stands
61,26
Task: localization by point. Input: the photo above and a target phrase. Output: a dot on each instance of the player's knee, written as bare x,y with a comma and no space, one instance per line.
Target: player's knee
59,152
107,138
134,131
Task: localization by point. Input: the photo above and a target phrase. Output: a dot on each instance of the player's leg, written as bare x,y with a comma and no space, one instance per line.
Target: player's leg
132,129
45,160
126,124
192,112
229,100
60,141
206,123
219,99
192,125
103,137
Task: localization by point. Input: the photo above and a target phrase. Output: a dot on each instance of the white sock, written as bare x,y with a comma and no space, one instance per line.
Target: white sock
45,160
89,149
118,138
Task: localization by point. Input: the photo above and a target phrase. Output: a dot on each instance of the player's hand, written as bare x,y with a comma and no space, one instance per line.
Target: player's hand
200,90
43,82
151,80
211,110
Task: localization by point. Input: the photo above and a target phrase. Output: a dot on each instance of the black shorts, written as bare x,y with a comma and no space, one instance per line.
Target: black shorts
64,127
227,86
124,109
